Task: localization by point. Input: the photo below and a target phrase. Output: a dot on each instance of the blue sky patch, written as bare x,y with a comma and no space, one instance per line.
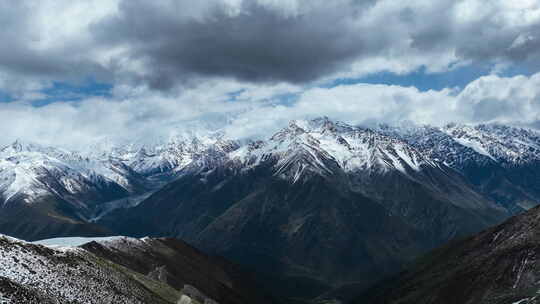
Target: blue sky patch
70,92
423,81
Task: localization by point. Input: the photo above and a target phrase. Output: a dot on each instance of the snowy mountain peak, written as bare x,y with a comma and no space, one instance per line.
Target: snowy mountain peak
31,171
322,145
318,146
461,145
16,146
20,146
503,144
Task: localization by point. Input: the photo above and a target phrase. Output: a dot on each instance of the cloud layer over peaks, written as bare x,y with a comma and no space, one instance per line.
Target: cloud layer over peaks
163,44
258,111
300,41
73,71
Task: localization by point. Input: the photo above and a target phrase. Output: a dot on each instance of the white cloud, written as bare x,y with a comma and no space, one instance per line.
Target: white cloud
508,100
514,100
232,61
62,22
258,112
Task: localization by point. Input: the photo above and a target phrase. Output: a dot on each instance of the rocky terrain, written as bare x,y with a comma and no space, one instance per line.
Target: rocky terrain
71,275
120,270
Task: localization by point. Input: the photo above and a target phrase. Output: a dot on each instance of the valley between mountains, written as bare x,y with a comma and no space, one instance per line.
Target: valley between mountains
317,212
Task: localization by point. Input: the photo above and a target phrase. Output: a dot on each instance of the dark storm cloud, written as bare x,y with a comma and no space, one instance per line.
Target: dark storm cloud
16,36
50,65
265,43
492,33
167,43
27,60
259,44
19,54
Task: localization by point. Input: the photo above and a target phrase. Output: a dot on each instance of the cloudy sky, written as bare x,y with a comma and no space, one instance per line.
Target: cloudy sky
75,71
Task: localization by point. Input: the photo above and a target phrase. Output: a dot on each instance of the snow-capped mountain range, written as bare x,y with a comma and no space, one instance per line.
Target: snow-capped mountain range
391,190
491,157
31,170
161,156
26,168
501,161
311,145
457,144
28,171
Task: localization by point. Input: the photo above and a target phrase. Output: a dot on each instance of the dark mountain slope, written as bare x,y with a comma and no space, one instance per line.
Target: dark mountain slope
296,208
313,231
49,216
177,264
497,266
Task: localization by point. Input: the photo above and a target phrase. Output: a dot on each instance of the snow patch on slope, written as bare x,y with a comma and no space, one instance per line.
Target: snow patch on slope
476,146
73,241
